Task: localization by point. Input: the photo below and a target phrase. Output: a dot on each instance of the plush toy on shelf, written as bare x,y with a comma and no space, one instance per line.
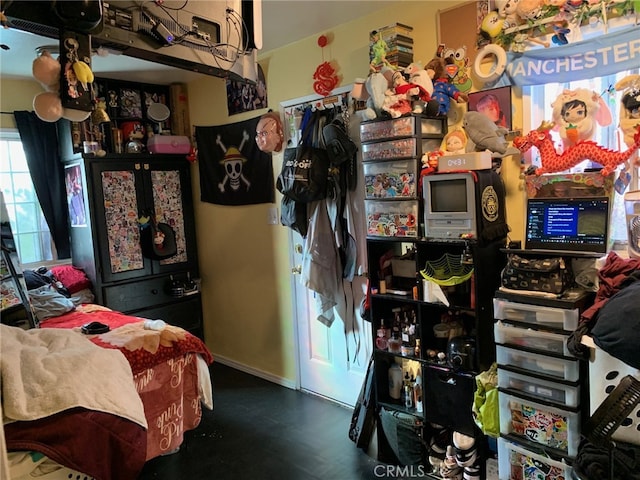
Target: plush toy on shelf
373,93
404,97
443,91
484,135
577,113
419,75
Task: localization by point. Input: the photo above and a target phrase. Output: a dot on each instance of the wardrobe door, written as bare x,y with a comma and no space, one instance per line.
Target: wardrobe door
119,190
168,190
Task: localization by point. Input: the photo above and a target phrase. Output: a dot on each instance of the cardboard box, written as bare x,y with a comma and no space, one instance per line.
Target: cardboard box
180,122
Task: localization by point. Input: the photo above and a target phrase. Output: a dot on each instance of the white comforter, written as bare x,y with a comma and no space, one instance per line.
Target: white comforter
47,371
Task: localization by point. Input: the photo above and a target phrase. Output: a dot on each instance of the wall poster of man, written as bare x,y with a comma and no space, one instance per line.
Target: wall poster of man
495,103
75,196
246,96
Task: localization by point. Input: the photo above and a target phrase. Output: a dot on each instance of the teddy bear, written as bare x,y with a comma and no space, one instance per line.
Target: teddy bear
443,91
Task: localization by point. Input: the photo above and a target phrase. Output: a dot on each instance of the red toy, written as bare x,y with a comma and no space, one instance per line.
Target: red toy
585,150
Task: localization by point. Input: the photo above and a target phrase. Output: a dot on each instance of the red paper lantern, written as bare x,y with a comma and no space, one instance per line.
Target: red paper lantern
323,41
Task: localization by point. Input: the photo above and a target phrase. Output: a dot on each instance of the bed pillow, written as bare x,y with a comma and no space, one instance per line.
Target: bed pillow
73,278
83,296
47,302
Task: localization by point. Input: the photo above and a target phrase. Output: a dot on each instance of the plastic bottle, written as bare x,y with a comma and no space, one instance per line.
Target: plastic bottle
417,393
395,381
382,335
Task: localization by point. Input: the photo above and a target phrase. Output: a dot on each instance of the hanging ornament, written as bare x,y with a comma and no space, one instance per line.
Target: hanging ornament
325,75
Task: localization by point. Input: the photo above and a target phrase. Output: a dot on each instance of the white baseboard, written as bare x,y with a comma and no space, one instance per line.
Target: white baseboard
285,382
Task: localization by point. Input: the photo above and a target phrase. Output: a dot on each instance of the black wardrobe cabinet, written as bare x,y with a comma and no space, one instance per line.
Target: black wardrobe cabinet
110,198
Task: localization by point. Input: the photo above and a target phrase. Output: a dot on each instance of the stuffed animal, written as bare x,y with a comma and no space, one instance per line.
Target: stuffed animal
484,135
507,12
375,87
419,75
576,113
629,106
443,91
552,161
405,97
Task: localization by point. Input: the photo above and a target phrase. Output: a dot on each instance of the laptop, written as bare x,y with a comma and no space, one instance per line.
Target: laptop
570,226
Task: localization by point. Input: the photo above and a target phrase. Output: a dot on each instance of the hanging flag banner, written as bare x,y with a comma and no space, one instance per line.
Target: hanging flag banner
233,170
596,57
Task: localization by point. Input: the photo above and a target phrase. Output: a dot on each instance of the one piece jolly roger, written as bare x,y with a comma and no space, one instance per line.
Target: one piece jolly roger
233,161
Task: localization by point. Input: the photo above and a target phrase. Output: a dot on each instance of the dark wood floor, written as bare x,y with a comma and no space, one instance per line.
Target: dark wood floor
259,430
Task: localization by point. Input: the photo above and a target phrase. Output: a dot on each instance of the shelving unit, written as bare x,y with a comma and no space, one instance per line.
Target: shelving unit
397,252
543,388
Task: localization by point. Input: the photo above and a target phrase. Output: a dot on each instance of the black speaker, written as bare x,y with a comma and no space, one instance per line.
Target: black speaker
252,18
79,16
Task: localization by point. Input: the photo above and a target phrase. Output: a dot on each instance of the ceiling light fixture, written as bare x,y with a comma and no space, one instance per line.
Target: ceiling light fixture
52,49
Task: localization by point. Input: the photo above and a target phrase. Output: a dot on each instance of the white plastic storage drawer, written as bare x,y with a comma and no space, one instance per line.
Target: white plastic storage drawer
401,148
550,426
518,463
390,179
560,318
544,342
395,218
399,127
560,368
568,395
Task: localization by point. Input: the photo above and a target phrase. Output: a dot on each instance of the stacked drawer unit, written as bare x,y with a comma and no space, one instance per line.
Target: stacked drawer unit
541,385
391,154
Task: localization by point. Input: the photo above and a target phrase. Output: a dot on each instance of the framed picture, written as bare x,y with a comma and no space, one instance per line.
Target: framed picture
245,96
495,103
75,196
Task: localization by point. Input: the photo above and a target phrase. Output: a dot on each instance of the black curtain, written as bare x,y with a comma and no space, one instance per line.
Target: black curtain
40,142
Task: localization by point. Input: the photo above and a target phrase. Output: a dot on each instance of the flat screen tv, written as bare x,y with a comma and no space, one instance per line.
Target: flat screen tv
569,224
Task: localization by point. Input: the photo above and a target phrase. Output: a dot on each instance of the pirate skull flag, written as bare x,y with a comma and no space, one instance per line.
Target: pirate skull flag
233,170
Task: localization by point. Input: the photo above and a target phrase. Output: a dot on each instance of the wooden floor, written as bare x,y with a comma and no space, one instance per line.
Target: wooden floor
260,430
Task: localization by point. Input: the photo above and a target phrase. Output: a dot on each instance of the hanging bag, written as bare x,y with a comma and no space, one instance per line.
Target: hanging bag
304,173
305,169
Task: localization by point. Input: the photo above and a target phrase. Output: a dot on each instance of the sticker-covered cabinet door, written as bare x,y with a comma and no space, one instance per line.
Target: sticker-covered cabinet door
119,204
170,190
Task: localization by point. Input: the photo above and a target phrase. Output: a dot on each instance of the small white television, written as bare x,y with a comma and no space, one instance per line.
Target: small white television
449,205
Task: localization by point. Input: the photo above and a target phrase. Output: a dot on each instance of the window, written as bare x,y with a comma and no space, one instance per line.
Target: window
538,100
30,231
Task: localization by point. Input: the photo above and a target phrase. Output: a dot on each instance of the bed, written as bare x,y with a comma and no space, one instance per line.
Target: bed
129,393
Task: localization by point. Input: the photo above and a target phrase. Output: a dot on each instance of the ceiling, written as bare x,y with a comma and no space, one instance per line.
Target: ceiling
284,22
